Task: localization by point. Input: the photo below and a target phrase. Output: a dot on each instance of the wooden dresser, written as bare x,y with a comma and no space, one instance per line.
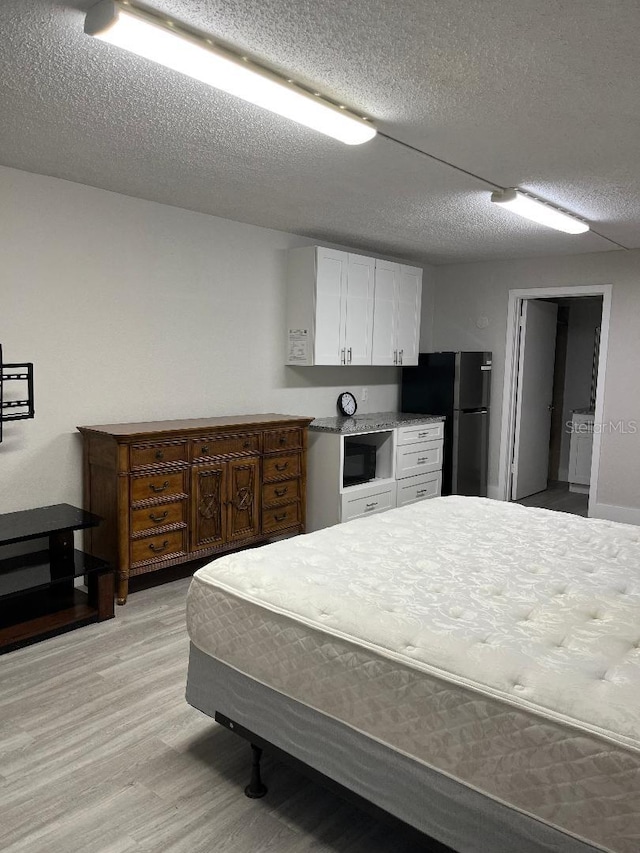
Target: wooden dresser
174,491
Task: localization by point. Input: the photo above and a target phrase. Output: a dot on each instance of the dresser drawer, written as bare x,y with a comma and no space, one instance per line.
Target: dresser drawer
282,467
280,517
280,493
356,504
420,432
282,439
225,445
419,488
158,547
143,455
418,458
160,484
157,516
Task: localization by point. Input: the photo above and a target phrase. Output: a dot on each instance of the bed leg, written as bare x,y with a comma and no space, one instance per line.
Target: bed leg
255,789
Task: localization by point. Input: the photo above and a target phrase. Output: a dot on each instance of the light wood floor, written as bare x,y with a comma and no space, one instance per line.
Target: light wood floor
100,753
558,497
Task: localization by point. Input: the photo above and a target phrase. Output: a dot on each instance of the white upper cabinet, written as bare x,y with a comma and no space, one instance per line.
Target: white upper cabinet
396,317
358,310
331,314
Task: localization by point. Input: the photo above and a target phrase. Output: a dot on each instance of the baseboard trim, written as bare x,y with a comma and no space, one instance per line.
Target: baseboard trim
625,514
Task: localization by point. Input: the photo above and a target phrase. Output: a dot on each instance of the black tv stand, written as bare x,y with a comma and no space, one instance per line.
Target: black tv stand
38,597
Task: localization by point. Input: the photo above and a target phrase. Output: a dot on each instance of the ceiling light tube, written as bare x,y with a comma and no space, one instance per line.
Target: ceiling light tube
538,211
146,34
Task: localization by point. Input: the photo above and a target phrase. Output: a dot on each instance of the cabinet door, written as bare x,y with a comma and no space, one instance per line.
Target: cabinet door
359,309
244,499
330,296
409,302
384,349
208,510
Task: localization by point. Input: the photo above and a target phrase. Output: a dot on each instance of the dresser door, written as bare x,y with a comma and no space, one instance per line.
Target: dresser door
243,502
208,510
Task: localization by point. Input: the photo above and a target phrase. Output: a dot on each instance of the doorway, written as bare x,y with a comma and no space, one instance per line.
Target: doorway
554,387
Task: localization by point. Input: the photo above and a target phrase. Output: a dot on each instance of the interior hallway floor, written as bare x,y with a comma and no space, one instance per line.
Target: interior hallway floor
557,496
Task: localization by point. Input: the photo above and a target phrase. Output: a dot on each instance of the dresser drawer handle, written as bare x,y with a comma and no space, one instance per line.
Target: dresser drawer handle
161,488
424,434
423,461
157,548
280,492
204,449
158,518
371,506
283,439
159,455
282,467
280,517
421,492
247,445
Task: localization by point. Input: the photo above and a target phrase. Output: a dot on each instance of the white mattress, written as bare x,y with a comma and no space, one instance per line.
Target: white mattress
495,643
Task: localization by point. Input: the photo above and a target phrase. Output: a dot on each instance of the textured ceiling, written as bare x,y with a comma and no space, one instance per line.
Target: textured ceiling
540,94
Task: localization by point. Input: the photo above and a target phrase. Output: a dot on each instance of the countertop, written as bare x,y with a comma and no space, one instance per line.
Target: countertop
371,422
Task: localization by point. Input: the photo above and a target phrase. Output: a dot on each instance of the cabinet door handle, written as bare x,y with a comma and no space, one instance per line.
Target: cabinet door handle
157,548
421,492
350,355
282,467
342,356
204,449
280,517
423,461
401,355
158,518
371,506
280,492
161,488
395,356
283,439
247,445
159,455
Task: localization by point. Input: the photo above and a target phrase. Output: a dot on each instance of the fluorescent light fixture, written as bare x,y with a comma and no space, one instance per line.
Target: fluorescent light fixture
538,211
151,36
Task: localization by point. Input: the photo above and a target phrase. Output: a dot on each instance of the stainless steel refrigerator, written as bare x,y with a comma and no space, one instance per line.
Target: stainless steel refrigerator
457,385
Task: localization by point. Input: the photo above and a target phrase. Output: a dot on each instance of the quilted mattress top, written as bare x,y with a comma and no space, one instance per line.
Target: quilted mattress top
537,607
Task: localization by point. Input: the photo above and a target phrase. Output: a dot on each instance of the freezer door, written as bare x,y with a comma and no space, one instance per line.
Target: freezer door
470,452
472,380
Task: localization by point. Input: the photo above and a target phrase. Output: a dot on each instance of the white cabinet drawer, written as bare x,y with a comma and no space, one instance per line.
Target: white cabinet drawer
356,504
419,458
420,432
419,488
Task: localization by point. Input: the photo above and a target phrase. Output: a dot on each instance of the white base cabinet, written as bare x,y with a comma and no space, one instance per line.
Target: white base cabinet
580,452
409,465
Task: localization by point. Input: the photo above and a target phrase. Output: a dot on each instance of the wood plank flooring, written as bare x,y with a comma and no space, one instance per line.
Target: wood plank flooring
100,753
557,496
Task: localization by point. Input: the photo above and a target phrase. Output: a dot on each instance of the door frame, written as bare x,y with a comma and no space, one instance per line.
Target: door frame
507,436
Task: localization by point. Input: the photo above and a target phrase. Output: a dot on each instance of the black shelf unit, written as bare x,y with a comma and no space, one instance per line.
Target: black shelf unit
38,597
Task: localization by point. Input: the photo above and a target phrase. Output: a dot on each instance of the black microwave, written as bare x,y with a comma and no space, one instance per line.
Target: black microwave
359,463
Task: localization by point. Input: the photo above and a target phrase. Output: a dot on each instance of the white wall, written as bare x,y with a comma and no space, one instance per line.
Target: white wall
467,293
134,311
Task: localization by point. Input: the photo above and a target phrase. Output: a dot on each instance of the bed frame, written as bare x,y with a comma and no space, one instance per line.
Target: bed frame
363,769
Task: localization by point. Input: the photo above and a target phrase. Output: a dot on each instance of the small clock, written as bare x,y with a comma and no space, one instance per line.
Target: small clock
347,404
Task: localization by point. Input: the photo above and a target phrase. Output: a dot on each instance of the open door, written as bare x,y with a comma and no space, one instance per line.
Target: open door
537,348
